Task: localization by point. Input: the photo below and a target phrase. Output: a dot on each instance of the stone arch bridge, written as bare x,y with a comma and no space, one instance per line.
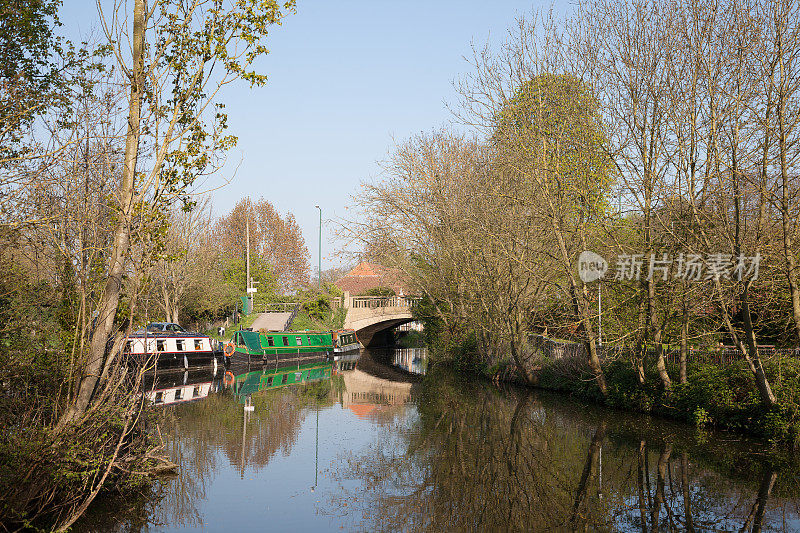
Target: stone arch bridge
373,318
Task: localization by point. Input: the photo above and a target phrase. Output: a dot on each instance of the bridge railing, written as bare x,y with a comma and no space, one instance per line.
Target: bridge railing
375,302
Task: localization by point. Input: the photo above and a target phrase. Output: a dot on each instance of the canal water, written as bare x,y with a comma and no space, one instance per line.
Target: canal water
370,443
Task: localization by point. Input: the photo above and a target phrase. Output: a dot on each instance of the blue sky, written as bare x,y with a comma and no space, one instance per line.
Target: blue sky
346,80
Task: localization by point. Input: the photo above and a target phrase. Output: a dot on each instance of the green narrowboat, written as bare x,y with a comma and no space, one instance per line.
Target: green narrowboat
278,346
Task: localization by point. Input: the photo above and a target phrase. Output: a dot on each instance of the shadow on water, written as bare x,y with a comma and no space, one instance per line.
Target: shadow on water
390,450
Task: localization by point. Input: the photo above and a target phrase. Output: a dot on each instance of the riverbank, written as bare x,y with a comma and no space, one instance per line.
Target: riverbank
715,395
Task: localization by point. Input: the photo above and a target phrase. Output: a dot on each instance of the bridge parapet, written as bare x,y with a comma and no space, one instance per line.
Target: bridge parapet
369,315
374,302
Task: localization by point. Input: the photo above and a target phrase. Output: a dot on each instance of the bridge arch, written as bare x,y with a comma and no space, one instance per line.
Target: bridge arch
371,316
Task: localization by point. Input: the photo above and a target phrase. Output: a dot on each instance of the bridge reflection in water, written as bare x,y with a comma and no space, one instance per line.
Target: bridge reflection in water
373,447
372,389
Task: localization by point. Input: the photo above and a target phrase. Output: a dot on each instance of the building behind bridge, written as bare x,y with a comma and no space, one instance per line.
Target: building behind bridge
370,276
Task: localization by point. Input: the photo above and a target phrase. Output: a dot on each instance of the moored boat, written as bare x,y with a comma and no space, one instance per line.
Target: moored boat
277,346
345,342
168,345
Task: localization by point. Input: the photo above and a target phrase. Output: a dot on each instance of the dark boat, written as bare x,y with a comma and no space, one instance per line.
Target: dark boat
345,342
165,345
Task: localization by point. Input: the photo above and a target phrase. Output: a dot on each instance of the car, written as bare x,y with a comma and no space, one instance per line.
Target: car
168,327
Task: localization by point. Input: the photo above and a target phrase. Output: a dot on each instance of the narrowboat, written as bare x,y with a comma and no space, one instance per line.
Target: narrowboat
277,346
167,345
345,342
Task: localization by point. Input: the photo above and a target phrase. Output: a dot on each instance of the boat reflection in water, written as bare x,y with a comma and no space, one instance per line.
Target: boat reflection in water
244,380
171,387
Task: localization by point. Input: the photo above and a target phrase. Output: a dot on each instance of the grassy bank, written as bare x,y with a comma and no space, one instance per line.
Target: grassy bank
722,396
715,395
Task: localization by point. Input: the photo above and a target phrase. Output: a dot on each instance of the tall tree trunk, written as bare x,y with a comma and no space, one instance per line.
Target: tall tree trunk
109,300
754,359
684,340
783,53
788,244
640,349
764,388
581,310
650,290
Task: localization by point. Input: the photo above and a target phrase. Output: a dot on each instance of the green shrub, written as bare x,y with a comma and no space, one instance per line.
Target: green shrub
701,418
318,308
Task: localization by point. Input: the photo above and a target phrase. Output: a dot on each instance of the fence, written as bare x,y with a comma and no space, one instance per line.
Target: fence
291,318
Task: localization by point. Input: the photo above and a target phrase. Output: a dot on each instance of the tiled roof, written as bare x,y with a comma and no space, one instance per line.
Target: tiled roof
366,276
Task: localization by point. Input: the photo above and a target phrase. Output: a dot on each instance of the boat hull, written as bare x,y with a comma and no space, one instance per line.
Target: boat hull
243,356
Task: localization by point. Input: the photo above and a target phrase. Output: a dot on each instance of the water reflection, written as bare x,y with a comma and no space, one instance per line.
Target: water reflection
246,380
414,360
484,459
360,444
172,387
373,390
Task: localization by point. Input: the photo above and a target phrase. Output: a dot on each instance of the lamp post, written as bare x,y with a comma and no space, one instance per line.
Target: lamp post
319,251
599,313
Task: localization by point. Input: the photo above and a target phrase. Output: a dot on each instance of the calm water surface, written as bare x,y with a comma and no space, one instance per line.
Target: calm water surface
367,444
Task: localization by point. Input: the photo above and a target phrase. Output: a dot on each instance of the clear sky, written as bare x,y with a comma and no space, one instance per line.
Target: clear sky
347,79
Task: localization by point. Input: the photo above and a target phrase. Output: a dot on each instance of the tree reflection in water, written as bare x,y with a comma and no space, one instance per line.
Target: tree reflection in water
481,459
248,440
444,454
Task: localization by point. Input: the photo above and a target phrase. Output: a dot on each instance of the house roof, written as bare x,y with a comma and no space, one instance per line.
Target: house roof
366,276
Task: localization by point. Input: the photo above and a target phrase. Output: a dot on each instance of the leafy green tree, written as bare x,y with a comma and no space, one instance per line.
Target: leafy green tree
550,134
261,271
28,75
182,54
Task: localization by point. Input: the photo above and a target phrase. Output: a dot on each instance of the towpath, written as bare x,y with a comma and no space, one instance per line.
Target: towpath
270,321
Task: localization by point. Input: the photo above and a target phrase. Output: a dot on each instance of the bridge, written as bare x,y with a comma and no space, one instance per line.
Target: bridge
374,317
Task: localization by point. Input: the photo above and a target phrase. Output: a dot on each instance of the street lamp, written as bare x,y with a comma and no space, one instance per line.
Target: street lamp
319,258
